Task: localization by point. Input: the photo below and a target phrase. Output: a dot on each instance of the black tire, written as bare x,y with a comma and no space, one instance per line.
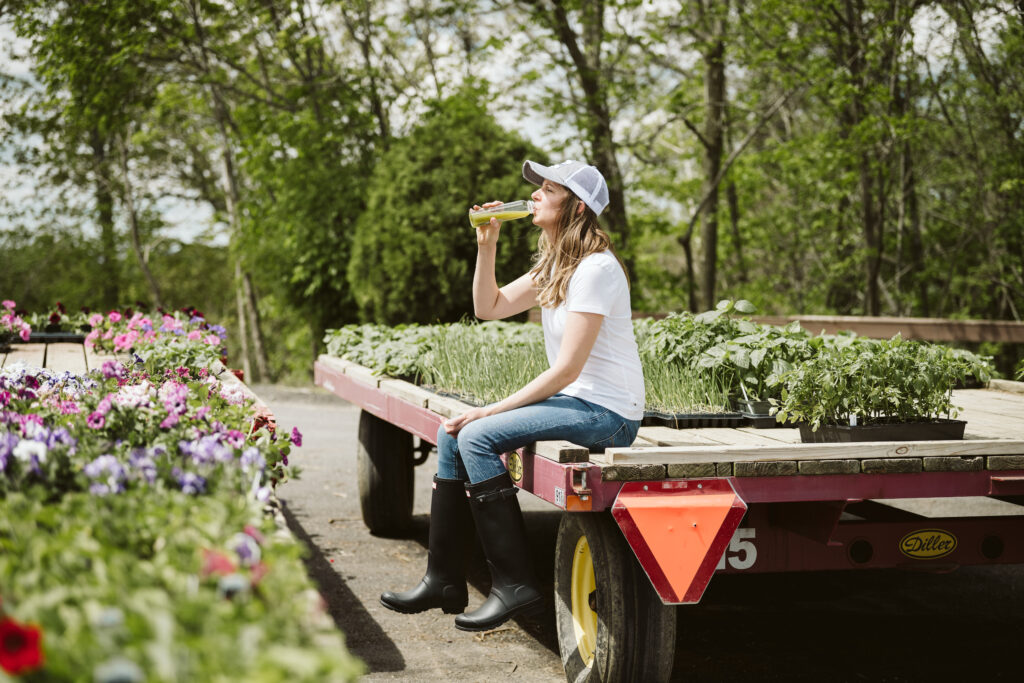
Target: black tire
635,632
385,466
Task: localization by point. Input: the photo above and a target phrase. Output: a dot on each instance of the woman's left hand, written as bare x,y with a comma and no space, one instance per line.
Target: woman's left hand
453,425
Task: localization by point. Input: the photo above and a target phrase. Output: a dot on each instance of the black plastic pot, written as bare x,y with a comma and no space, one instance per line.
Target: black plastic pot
923,430
757,413
754,408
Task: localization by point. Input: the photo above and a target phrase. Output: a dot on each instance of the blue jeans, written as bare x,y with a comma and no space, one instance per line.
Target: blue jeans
474,454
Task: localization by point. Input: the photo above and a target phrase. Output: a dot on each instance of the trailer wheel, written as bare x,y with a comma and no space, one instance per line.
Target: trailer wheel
385,467
609,627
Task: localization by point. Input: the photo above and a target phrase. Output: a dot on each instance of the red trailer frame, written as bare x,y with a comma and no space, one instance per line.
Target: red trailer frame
683,531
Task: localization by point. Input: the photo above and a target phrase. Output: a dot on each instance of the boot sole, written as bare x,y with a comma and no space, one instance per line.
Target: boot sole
447,609
529,608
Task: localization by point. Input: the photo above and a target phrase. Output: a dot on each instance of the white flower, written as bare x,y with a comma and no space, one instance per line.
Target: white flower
233,394
133,395
26,448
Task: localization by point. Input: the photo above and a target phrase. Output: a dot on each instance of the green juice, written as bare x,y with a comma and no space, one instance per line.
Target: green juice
503,212
478,218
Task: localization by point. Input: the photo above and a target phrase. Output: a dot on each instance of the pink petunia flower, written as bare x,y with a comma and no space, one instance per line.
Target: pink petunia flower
235,438
96,421
212,339
9,305
126,340
104,406
96,319
114,317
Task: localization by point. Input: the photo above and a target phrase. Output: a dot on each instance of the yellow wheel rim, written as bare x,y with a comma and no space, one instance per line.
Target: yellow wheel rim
584,619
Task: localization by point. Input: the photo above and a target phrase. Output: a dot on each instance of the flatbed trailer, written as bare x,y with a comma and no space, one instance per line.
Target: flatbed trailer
649,525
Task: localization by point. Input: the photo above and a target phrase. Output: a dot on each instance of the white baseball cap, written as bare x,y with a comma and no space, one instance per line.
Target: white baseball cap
585,181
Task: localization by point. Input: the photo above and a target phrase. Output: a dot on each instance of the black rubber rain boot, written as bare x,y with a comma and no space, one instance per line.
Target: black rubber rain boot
444,584
499,524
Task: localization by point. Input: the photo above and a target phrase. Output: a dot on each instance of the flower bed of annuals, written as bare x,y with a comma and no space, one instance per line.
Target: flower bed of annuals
135,542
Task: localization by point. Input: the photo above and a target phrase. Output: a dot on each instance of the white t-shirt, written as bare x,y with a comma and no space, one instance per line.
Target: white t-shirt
612,376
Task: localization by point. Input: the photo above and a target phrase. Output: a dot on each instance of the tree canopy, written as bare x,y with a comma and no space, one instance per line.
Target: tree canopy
849,156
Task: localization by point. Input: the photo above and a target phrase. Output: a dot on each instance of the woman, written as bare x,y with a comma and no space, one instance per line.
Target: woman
591,395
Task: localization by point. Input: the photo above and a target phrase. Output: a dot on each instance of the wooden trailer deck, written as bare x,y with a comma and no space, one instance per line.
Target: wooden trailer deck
994,440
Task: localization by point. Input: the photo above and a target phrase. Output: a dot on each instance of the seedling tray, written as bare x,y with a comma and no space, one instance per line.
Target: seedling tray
930,430
693,421
56,337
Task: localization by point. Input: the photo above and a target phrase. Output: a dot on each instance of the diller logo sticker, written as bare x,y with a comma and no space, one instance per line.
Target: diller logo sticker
927,544
515,467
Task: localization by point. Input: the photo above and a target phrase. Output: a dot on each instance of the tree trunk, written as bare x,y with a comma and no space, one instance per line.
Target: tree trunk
244,298
714,107
596,119
110,293
916,245
734,222
222,116
691,289
133,224
243,332
262,373
872,236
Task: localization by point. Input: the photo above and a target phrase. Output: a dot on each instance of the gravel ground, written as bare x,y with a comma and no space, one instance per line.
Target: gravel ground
845,626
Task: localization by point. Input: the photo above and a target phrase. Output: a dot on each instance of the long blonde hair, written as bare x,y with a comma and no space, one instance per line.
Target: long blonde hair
577,237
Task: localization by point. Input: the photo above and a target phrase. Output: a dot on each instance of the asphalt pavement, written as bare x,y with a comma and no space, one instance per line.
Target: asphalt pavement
889,626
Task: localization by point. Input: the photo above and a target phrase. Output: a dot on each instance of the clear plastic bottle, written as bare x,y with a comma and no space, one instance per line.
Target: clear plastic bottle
503,212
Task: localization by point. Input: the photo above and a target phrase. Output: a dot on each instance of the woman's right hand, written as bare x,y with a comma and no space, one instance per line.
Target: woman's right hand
487,233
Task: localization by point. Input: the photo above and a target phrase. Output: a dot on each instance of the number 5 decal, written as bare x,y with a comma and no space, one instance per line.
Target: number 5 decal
741,553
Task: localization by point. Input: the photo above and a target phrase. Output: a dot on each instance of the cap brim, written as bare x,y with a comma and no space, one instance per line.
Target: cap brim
537,173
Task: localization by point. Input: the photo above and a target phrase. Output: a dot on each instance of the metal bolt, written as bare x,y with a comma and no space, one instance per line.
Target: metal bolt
645,487
700,486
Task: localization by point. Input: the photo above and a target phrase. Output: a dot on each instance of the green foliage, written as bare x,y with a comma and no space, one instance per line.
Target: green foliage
413,252
394,351
874,380
120,580
735,357
485,362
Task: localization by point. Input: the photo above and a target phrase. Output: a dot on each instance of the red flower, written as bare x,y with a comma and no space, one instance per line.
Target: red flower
54,318
216,563
261,420
19,647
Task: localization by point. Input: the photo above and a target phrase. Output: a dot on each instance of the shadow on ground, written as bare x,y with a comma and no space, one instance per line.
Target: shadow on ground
375,648
541,529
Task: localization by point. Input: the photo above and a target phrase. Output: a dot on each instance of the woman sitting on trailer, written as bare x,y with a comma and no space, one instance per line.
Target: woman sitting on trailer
591,395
